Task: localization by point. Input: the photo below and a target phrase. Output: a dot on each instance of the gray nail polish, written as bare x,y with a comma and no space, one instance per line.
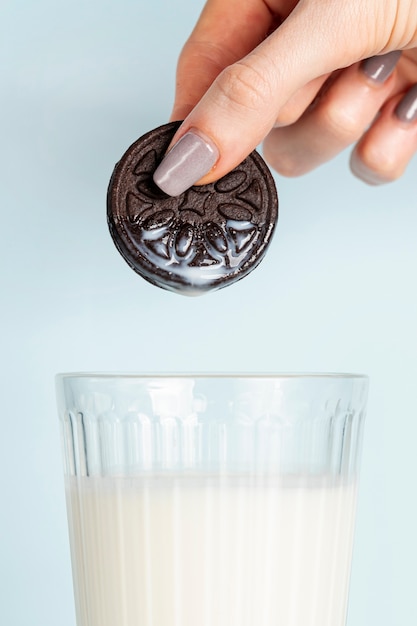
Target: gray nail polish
379,68
406,109
188,161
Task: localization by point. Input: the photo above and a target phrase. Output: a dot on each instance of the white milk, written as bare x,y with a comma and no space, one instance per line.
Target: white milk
201,551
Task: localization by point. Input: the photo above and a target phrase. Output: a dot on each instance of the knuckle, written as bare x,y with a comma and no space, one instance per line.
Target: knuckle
342,123
244,86
289,114
289,167
285,163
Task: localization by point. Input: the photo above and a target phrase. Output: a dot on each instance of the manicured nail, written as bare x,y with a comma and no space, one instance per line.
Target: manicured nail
406,109
379,68
188,160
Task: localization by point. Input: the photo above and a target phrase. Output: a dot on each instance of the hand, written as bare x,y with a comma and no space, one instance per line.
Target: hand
305,78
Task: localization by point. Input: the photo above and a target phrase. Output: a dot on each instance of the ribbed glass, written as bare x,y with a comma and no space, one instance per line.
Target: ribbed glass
212,500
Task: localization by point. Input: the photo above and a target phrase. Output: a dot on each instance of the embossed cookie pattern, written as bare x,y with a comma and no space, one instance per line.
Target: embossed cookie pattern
204,239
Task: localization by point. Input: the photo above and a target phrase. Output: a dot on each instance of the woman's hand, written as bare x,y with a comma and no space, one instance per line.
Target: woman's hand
306,77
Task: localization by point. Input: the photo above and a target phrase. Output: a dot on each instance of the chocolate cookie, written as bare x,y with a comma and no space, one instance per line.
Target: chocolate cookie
207,238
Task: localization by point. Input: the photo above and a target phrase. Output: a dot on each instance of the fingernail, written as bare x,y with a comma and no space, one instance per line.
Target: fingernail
406,109
379,68
187,161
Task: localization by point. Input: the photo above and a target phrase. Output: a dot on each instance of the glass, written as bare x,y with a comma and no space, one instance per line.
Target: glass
211,500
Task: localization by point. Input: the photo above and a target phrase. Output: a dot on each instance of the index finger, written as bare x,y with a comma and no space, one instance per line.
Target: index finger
226,31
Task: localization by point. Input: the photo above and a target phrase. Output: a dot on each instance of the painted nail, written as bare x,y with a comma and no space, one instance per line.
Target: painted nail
406,109
187,161
379,68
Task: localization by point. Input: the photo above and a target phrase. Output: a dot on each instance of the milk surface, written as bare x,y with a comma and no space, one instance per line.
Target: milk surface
210,551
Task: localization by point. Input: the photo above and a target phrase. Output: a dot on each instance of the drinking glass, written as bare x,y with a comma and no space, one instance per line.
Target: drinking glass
211,500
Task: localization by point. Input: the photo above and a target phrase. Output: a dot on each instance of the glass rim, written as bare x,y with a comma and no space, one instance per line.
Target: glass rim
85,375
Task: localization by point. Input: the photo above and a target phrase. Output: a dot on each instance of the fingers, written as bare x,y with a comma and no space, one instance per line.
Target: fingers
226,32
299,101
385,150
243,102
338,118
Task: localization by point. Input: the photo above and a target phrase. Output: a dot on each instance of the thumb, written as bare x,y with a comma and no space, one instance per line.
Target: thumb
242,104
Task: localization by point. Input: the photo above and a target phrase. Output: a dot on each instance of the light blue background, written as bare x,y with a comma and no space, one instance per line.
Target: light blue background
337,292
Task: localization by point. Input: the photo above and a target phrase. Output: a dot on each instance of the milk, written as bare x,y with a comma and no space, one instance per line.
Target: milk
189,550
